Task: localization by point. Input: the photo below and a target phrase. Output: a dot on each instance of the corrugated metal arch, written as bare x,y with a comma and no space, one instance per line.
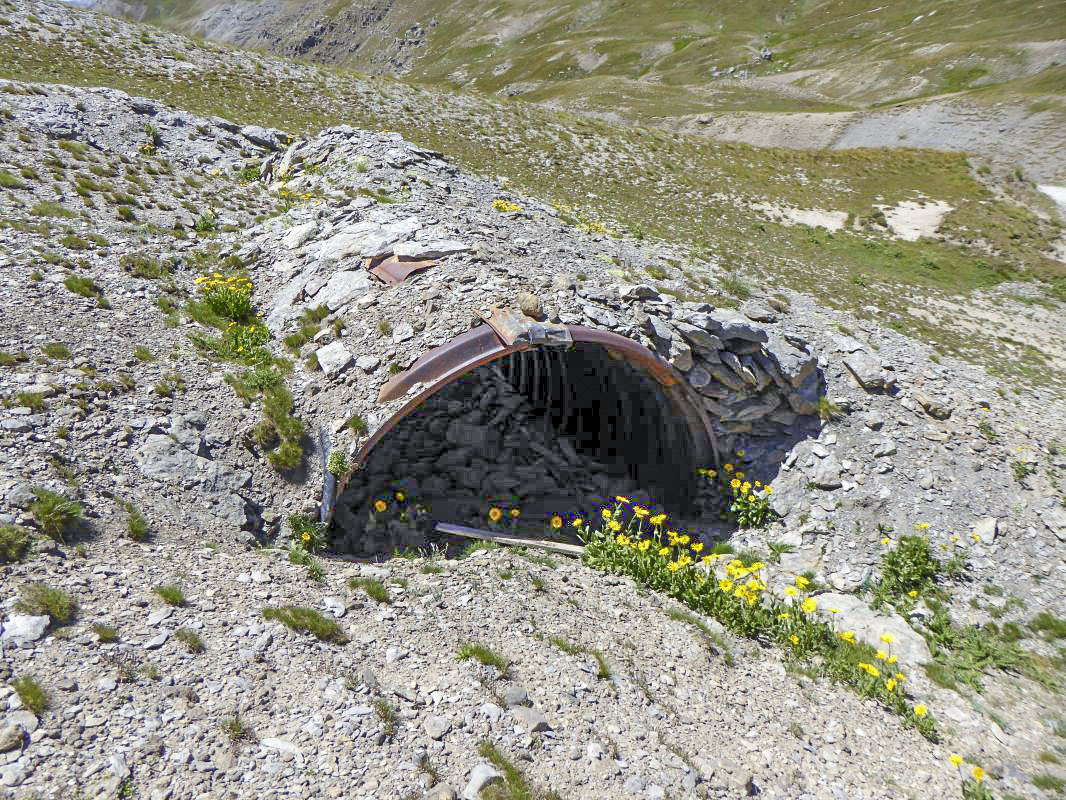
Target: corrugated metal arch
482,345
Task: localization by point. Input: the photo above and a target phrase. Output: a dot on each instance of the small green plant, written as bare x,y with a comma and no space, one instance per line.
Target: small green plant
908,571
170,594
236,730
104,633
39,599
31,693
31,400
361,163
476,547
356,424
338,464
11,359
827,409
207,222
9,181
1049,783
56,350
191,639
1021,470
736,286
484,655
387,714
136,524
249,173
84,286
54,513
307,620
14,543
47,208
514,786
170,384
986,430
373,588
568,647
308,532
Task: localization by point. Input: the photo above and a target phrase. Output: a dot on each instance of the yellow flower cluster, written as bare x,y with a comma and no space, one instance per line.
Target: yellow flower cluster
505,206
748,500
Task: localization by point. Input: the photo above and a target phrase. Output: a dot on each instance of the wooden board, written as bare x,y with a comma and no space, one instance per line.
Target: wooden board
509,541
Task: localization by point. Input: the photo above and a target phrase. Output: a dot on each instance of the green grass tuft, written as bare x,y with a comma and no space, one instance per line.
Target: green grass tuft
54,513
170,594
307,620
38,599
31,693
484,655
374,589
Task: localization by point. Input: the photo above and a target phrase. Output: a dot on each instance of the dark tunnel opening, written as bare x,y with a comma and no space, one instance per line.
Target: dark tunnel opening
547,431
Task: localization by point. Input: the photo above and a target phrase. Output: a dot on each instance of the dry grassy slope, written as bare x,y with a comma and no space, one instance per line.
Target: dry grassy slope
687,190
614,55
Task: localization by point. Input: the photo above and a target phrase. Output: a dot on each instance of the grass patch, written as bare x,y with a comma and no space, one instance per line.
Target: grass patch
484,655
191,639
15,542
476,547
47,208
31,693
136,524
514,785
84,287
1049,783
236,730
388,716
38,599
56,350
568,647
170,594
373,588
54,513
307,620
1048,626
105,633
11,359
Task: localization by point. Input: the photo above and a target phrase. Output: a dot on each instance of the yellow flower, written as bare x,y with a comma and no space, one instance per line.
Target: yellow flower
912,593
734,483
658,520
794,639
684,539
886,540
306,537
769,489
784,615
955,759
495,514
664,551
674,566
644,545
640,513
577,523
740,454
899,676
745,487
621,499
614,525
890,684
891,660
556,523
847,636
790,591
978,774
740,475
515,513
727,467
622,539
809,605
802,582
975,536
380,506
400,497
920,710
725,585
758,484
881,655
697,547
606,513
886,638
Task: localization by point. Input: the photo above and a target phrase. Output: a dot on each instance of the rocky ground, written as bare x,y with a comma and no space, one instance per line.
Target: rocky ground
114,206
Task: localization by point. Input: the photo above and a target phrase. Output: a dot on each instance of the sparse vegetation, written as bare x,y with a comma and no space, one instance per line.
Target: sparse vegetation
42,600
170,594
307,620
15,542
484,655
31,693
54,513
104,633
373,588
236,730
387,714
568,647
191,639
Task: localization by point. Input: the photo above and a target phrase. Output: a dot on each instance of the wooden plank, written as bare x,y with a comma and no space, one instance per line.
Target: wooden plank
510,541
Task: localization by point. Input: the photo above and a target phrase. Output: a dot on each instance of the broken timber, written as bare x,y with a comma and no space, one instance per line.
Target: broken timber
509,541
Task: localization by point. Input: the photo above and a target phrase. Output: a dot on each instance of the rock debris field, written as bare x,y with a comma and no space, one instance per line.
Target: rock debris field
119,391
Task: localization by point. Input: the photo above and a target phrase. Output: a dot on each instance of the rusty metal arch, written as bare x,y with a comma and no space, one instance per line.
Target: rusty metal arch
482,345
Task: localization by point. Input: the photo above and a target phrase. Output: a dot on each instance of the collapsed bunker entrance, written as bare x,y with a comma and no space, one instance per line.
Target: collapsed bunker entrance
544,430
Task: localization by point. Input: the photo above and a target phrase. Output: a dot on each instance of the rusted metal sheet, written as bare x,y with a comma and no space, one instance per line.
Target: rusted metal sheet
515,328
392,270
483,345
